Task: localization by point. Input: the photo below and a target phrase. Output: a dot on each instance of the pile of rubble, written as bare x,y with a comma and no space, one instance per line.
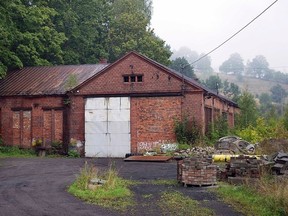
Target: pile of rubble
233,145
247,168
278,163
197,171
195,151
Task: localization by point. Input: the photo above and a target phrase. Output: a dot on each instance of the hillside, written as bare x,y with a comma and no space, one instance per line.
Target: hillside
253,85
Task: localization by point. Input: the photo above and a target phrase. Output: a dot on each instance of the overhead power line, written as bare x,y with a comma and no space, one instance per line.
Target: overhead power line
234,33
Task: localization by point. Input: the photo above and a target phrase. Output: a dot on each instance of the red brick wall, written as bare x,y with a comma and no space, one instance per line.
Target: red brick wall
76,118
151,117
22,119
152,121
154,79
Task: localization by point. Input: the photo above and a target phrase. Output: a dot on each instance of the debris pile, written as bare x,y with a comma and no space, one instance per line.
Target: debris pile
195,151
279,163
197,171
233,145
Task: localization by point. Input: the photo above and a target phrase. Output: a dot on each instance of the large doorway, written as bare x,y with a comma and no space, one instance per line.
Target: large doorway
107,127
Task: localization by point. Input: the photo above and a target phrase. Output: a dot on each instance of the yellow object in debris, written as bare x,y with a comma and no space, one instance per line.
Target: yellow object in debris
226,158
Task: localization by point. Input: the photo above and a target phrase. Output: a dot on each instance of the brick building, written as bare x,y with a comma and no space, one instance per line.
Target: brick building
111,109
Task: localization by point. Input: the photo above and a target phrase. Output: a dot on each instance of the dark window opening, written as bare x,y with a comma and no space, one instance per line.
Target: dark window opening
126,78
132,79
139,78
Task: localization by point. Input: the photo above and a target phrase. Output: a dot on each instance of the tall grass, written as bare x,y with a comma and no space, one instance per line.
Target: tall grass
14,151
269,197
114,193
175,203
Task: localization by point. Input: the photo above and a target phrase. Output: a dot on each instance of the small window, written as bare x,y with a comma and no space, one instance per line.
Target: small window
132,78
139,78
126,79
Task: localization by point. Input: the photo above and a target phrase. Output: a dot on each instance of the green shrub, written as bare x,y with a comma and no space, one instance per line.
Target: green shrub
73,153
218,129
187,132
56,148
15,151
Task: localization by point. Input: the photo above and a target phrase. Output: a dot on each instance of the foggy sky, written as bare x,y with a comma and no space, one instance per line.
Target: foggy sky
202,25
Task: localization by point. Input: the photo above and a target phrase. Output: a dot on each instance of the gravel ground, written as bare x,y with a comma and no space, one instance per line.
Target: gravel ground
37,186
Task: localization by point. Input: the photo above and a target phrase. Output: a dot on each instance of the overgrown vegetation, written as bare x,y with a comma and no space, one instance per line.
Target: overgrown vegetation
268,197
218,129
187,131
14,151
114,194
175,203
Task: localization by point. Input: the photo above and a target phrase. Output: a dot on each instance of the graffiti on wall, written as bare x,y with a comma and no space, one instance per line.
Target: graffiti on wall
161,145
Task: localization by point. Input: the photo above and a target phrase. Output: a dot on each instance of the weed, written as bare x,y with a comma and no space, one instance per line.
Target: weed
164,182
147,196
14,151
113,194
268,198
186,131
175,203
73,153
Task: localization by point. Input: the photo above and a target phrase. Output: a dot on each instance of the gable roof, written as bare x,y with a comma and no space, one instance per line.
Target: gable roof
187,79
46,80
54,80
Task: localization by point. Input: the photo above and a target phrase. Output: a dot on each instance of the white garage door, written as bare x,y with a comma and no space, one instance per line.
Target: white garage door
107,127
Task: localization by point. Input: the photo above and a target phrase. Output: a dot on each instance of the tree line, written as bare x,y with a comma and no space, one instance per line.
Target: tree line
40,32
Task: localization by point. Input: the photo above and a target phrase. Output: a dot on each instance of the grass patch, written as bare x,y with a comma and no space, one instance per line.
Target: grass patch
168,182
114,194
175,203
14,151
268,198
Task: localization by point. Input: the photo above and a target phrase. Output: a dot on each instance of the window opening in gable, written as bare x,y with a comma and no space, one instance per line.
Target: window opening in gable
126,79
132,78
140,78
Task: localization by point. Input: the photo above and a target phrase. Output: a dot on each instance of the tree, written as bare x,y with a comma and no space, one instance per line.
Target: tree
28,36
181,65
248,111
204,65
278,93
258,67
265,104
234,64
129,30
85,24
231,90
214,83
185,52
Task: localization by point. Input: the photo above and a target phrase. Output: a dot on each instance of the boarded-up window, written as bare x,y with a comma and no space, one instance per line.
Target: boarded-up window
208,118
53,126
22,128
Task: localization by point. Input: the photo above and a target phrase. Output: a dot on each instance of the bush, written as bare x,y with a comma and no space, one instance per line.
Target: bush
187,132
73,153
218,129
263,131
56,148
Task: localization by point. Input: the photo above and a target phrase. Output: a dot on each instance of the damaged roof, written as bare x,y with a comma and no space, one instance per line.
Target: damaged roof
47,80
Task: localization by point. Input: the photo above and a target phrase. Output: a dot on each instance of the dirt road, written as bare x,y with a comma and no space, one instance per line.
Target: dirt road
37,186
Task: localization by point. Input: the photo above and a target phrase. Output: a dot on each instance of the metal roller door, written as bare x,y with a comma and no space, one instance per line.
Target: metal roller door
107,127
